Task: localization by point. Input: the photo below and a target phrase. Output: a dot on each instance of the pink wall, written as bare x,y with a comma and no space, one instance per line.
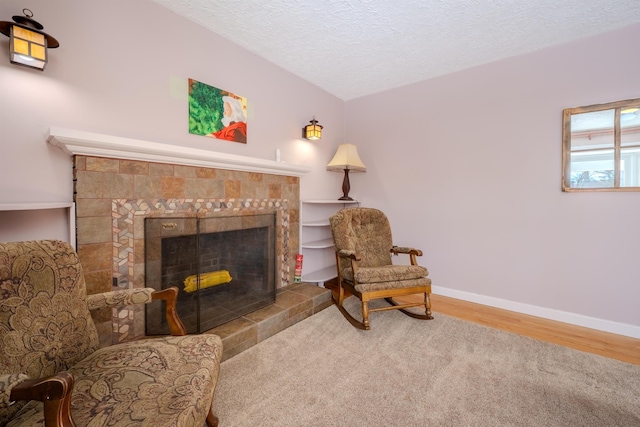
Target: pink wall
468,168
121,69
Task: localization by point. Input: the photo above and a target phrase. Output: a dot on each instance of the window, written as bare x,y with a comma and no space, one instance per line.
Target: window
601,147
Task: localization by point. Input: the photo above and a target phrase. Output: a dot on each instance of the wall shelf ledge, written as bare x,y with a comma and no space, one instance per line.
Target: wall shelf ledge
75,142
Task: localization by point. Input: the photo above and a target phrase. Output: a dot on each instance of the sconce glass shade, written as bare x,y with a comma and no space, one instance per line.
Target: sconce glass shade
27,44
312,131
346,159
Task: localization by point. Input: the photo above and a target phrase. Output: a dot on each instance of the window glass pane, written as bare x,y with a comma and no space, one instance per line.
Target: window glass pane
630,167
630,126
630,116
592,169
592,130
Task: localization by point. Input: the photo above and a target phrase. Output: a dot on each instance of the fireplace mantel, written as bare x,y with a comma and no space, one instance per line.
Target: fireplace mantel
75,142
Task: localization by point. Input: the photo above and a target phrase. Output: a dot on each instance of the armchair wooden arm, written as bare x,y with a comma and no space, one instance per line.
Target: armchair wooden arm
54,392
170,296
124,297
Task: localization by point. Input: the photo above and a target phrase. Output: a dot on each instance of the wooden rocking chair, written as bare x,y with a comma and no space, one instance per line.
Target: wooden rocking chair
363,244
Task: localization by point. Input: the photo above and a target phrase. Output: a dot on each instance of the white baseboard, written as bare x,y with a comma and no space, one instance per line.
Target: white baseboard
546,313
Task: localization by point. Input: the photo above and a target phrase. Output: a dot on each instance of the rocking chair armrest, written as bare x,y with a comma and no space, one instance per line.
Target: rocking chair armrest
170,297
352,257
412,252
405,250
343,253
54,391
119,298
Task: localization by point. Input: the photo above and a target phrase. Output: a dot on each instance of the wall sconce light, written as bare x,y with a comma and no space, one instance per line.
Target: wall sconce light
346,159
313,130
27,44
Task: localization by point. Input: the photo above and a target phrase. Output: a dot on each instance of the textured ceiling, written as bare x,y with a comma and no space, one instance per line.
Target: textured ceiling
353,48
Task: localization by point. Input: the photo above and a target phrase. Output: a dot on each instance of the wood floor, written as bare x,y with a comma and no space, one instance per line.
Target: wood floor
592,341
603,343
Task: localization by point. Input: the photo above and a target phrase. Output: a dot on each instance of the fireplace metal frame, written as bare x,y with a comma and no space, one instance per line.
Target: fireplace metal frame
187,246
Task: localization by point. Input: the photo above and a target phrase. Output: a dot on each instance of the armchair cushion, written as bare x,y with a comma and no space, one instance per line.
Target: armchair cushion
45,325
393,285
155,382
362,231
387,273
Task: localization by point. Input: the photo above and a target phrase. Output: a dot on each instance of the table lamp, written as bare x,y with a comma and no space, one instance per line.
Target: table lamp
346,159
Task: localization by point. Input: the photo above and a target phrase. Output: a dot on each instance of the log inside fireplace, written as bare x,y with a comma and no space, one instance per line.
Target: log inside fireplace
224,268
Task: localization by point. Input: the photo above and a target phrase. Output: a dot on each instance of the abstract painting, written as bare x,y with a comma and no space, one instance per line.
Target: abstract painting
217,113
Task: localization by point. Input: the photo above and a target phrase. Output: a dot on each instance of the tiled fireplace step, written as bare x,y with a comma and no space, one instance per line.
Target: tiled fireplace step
293,303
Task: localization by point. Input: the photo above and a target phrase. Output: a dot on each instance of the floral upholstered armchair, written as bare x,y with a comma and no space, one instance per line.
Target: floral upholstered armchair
52,372
363,244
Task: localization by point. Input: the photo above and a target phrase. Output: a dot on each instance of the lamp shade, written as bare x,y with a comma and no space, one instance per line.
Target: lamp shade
27,44
346,157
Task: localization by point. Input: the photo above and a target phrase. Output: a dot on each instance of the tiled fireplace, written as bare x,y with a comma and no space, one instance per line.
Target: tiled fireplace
114,195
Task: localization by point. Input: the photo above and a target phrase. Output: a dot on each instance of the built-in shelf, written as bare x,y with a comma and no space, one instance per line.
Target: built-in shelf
36,206
320,223
331,201
317,244
321,276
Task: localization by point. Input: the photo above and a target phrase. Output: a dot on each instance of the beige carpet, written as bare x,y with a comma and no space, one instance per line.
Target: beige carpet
408,372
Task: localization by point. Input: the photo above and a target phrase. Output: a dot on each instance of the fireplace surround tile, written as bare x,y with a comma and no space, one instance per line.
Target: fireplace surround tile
100,164
132,167
112,195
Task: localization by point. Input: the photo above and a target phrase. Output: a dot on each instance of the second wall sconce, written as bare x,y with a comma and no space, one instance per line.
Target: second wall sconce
27,44
313,130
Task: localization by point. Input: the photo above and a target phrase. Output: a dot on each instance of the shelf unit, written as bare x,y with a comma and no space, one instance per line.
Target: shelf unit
30,223
319,264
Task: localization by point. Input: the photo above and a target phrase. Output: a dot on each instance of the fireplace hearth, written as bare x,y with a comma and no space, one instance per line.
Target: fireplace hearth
223,266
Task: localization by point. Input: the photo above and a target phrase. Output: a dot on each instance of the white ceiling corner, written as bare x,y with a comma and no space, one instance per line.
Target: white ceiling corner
353,48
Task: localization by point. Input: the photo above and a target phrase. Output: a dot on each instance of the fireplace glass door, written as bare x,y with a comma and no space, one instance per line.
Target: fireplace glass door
223,266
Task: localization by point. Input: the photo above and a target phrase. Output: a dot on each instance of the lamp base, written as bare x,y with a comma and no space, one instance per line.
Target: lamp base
345,186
